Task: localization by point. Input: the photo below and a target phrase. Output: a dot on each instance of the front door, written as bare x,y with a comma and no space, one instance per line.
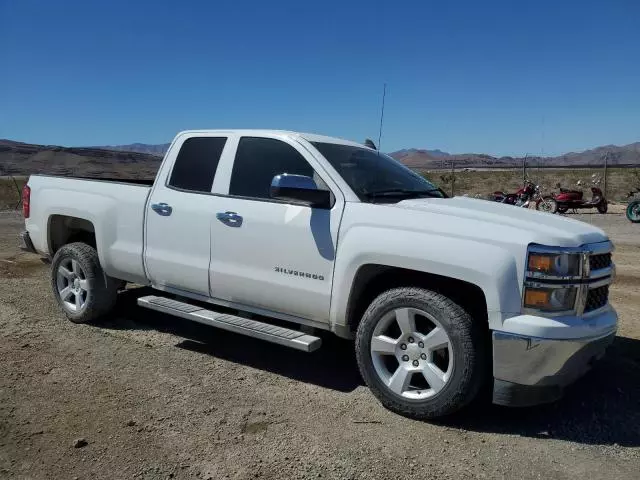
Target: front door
267,253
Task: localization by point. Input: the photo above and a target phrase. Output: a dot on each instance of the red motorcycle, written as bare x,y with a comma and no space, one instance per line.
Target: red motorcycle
519,198
574,199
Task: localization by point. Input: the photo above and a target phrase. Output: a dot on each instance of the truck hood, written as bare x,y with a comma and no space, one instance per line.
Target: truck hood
496,220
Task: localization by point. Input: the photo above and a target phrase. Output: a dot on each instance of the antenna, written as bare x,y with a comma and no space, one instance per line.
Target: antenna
384,94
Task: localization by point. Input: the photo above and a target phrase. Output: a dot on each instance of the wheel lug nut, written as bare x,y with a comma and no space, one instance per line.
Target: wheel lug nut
411,340
421,345
416,363
423,356
405,358
403,346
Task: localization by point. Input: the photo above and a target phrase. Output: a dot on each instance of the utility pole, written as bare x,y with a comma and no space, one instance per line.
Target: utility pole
524,169
384,95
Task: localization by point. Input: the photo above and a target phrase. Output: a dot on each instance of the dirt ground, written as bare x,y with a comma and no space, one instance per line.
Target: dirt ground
157,397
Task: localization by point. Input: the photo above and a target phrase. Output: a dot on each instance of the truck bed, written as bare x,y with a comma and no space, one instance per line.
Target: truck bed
113,206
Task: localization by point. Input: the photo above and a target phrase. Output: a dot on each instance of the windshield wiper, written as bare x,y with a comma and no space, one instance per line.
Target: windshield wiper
400,192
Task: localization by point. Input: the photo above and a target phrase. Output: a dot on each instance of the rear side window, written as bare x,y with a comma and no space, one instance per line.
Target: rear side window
258,160
196,164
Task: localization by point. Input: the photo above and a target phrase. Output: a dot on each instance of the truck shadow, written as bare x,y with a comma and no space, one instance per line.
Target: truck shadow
332,366
603,408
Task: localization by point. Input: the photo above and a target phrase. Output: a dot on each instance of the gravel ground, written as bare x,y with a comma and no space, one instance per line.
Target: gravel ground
147,396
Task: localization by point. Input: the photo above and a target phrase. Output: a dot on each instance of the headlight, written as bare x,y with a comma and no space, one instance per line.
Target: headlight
550,299
561,265
552,279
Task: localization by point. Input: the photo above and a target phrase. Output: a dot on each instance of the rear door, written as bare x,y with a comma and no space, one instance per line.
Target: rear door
179,215
269,253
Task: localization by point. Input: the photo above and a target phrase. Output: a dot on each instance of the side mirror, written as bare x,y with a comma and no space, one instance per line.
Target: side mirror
299,188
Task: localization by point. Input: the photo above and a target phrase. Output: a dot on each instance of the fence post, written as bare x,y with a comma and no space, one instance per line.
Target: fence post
604,186
524,169
18,191
453,177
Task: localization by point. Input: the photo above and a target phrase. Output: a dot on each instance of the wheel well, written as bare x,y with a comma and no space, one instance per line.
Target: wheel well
64,229
371,280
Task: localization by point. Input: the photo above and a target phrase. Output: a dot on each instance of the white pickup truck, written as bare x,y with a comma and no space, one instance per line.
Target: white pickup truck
277,235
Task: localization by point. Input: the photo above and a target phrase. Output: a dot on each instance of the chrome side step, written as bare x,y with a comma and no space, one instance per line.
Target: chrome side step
233,323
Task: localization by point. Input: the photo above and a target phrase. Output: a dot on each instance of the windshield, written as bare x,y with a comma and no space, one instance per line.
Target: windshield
373,176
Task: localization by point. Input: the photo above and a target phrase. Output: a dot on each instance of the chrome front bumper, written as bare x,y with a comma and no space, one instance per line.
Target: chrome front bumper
530,370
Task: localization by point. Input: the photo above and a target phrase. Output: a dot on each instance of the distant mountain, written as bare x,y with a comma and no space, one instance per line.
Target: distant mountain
407,152
157,150
436,159
142,161
618,155
17,158
626,155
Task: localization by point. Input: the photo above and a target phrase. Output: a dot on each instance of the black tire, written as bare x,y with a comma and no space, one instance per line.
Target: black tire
101,294
603,206
633,211
468,341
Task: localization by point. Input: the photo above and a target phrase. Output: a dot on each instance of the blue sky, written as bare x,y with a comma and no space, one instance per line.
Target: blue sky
484,76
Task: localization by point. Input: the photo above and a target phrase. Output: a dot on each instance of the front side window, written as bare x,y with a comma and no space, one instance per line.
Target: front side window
258,160
196,163
374,176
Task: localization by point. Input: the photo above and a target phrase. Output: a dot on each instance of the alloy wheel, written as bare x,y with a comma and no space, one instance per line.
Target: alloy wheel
72,285
412,353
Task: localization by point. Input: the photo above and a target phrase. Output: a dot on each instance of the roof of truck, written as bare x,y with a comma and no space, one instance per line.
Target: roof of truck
310,137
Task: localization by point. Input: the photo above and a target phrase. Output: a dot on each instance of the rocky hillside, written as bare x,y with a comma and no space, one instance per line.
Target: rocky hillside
157,150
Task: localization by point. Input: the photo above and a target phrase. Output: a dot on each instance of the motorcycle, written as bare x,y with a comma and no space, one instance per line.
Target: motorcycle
574,199
519,198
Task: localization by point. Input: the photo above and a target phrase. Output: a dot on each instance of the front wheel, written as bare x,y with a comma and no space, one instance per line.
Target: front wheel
547,204
79,284
421,354
633,211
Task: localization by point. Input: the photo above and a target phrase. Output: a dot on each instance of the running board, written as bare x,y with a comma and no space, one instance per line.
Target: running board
233,323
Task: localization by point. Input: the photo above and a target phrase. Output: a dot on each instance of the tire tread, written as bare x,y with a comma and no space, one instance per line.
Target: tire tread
104,289
471,338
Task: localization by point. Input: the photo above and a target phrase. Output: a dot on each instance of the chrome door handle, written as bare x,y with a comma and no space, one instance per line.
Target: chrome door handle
162,209
231,219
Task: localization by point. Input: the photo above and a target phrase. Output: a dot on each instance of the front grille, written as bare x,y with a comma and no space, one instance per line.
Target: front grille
602,260
597,298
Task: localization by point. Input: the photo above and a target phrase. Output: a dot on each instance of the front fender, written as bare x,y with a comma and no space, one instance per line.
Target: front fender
493,268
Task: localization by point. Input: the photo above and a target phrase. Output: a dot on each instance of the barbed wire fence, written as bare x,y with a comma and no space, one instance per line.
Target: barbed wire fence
456,177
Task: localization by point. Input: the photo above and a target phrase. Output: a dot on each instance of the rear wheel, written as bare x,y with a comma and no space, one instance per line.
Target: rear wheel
420,353
633,211
603,206
79,284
